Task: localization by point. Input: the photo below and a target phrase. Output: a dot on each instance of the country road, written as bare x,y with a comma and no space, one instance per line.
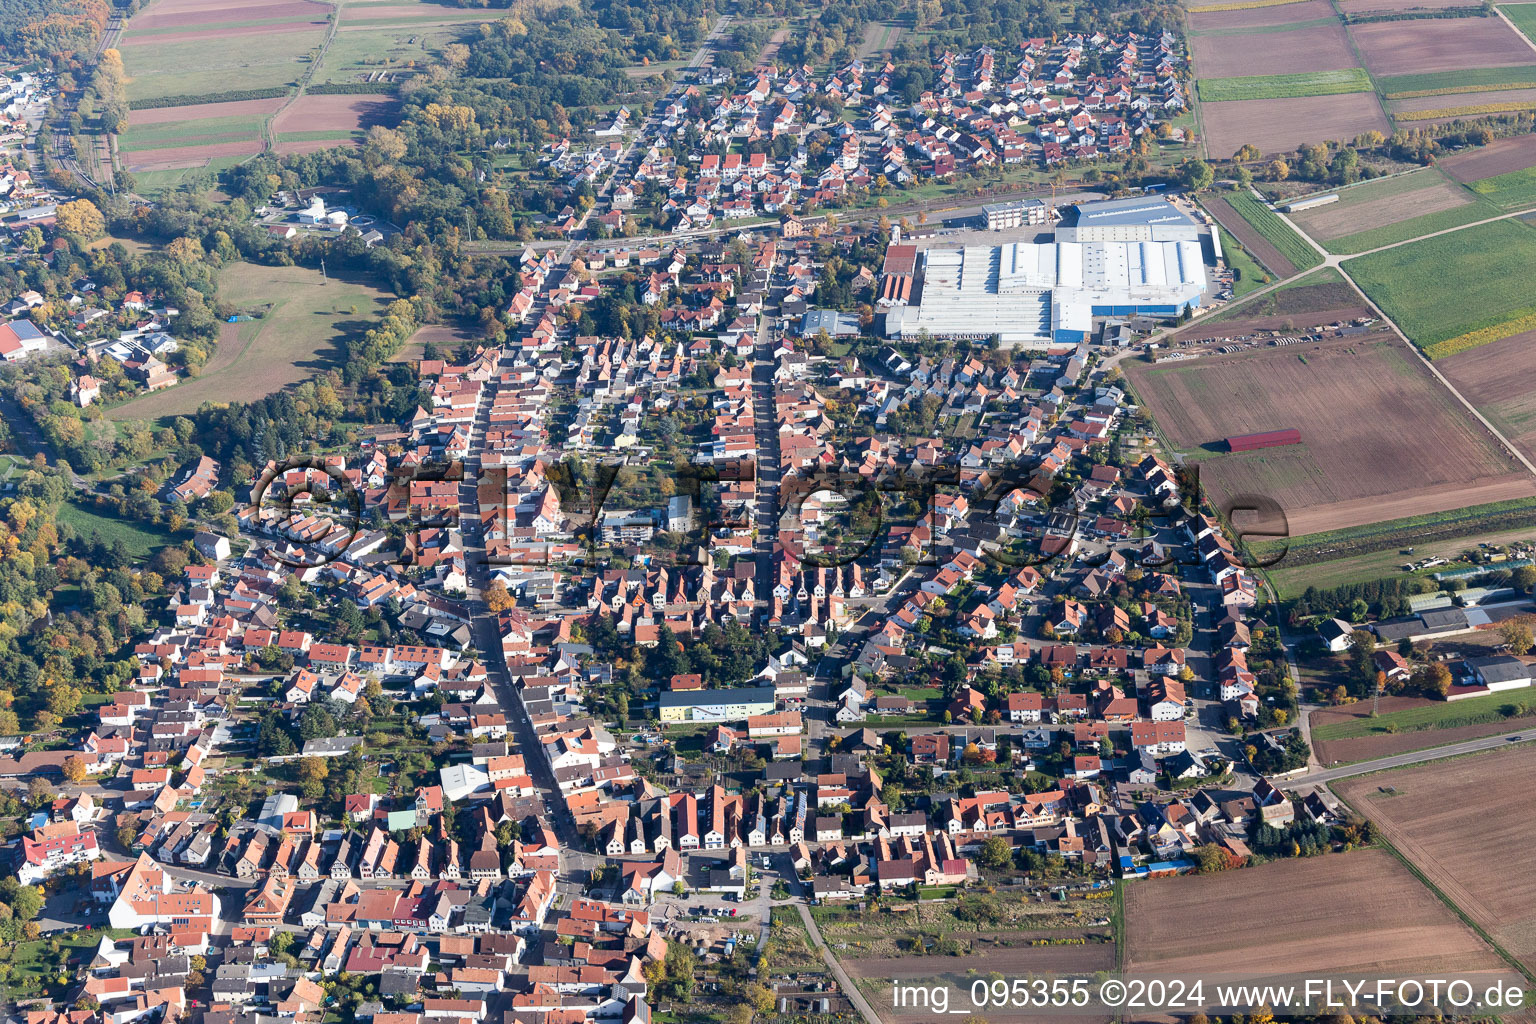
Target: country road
1412,757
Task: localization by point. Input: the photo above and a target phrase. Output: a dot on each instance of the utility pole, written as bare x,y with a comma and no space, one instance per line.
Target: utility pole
322,270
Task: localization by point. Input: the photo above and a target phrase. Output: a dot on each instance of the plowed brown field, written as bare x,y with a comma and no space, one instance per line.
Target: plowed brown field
1439,44
1319,48
1279,126
1381,438
1347,912
1460,823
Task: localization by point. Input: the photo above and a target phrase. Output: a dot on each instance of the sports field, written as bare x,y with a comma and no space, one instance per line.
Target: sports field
300,335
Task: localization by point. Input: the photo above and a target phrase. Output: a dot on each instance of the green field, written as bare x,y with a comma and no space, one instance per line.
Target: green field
1510,191
202,66
1250,276
1391,234
362,47
1439,715
1444,287
151,182
171,134
300,335
1396,87
1524,17
1366,191
1279,87
141,539
1275,231
1292,582
1244,30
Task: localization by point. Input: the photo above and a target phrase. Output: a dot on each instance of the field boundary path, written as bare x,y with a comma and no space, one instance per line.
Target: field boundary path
268,135
849,988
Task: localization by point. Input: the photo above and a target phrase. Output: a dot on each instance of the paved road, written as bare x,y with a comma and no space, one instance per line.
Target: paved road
849,988
1413,757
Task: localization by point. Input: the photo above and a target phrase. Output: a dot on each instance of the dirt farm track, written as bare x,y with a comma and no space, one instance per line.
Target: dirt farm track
1430,812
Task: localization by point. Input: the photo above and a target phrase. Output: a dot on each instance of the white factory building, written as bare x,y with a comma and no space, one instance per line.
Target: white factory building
1039,294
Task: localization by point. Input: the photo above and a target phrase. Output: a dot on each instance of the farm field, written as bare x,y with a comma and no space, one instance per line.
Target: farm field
1404,109
1410,715
178,15
1321,298
1411,282
1397,6
364,50
1270,87
1439,44
1502,156
1510,191
874,976
217,63
1279,126
1296,250
1272,258
1524,17
1392,210
1428,811
1467,80
326,120
1224,22
1379,433
1483,376
1358,912
1290,53
299,337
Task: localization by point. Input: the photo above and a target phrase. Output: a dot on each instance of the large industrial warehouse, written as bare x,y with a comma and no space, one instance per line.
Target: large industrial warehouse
1038,294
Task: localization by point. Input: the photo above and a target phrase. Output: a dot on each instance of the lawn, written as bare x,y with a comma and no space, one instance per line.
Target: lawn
300,335
1434,83
1278,87
1510,191
1439,715
1275,231
141,539
1249,275
1443,287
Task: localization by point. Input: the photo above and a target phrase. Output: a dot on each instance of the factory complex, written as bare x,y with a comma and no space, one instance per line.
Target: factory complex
1118,258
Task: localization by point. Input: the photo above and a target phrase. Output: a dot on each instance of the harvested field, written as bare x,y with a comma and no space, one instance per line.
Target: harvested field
1484,376
186,13
192,35
1279,126
1348,912
1501,156
879,38
410,12
1429,811
203,111
188,156
874,977
1319,48
344,113
1392,207
1381,438
1440,44
1246,233
1259,17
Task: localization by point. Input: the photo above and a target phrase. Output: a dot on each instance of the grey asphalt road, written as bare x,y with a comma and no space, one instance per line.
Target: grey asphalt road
1413,757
